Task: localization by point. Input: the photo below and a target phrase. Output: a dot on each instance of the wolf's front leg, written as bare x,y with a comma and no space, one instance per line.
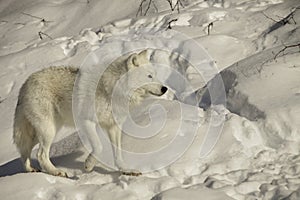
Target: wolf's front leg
116,140
92,136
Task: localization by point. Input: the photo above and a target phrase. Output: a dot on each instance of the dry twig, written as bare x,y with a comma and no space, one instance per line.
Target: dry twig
41,35
170,23
286,47
33,16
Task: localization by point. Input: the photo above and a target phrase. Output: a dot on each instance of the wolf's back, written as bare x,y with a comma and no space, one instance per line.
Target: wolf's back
43,94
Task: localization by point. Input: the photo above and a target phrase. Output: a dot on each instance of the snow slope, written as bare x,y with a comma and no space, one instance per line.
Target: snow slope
257,154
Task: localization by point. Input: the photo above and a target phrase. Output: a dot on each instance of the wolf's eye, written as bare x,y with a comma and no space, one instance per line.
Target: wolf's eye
149,76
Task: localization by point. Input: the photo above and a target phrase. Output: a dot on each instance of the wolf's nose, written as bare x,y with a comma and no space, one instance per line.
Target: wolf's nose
164,89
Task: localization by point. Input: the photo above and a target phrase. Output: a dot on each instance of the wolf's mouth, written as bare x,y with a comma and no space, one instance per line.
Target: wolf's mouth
155,94
163,90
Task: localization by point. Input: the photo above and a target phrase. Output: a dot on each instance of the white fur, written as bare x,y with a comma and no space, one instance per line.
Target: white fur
45,105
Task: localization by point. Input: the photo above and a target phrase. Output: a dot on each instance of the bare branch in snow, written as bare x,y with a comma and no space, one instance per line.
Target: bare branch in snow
148,7
2,100
170,23
33,16
269,17
286,47
140,10
41,35
283,21
176,5
209,27
146,4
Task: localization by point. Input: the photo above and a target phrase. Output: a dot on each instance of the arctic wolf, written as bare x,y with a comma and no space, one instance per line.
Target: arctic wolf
45,104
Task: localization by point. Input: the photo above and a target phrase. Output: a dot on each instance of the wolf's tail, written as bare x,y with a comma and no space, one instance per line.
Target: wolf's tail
23,134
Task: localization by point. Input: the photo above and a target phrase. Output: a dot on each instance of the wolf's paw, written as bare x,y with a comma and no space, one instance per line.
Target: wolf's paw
131,173
88,168
33,170
61,174
29,168
90,163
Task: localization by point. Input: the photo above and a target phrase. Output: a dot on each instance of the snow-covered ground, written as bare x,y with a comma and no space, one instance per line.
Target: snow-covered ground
258,153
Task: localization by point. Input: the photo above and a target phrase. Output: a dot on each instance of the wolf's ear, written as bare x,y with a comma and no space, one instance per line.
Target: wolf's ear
132,61
136,60
144,54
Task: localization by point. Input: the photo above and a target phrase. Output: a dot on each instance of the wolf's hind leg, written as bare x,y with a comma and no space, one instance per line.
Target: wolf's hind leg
25,152
46,133
25,139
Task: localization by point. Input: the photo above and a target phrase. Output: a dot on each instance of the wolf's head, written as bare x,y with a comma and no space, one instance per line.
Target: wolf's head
142,77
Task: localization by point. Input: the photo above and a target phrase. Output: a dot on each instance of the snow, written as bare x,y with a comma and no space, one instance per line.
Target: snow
256,156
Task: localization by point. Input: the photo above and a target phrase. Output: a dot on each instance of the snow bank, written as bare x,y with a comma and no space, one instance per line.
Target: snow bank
255,157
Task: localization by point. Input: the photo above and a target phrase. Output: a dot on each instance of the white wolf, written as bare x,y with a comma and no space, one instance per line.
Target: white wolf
45,105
